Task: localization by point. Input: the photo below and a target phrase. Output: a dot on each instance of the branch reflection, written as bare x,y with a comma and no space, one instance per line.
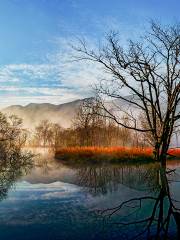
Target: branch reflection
155,215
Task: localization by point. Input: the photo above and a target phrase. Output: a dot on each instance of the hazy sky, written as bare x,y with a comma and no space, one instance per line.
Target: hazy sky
34,43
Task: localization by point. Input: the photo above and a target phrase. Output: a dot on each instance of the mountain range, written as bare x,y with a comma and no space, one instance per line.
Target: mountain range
63,114
33,113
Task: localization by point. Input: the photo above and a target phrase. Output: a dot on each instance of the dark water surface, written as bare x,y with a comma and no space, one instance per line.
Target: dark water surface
52,200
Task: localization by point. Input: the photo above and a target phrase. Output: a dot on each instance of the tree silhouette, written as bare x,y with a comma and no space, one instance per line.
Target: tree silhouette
149,71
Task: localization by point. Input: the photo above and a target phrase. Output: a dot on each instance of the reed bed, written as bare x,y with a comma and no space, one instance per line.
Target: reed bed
108,154
174,152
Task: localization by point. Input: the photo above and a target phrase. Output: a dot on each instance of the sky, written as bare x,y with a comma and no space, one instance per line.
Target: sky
36,37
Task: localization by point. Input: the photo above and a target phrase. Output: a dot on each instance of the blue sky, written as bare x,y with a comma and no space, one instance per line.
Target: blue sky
34,43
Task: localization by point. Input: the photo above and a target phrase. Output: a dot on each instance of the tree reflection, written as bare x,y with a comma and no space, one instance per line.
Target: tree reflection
12,168
155,223
101,179
152,215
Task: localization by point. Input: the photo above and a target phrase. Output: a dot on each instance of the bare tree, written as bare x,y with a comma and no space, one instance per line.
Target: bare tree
149,72
90,126
57,135
43,133
48,134
93,129
83,121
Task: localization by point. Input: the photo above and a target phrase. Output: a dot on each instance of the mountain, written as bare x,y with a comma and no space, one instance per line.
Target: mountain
33,113
63,114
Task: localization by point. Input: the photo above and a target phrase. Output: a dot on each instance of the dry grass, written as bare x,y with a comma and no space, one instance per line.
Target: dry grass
175,152
96,154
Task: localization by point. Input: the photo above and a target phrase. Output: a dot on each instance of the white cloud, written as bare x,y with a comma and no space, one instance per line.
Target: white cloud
75,73
58,80
14,72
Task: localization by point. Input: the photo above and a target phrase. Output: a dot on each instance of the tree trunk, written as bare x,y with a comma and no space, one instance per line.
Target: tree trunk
160,153
163,158
156,152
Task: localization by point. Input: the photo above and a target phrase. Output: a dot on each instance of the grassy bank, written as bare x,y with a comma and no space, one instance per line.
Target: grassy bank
107,154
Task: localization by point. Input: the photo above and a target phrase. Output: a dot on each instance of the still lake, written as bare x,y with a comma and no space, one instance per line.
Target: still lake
54,200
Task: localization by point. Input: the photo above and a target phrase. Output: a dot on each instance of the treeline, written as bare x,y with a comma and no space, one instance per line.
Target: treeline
89,128
49,134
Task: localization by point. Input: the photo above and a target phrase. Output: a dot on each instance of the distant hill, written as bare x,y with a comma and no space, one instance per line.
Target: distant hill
63,114
33,113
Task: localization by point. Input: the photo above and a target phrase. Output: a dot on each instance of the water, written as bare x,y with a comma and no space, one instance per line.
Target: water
52,200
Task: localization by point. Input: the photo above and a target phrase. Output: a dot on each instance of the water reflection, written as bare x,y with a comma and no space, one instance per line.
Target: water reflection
107,178
156,222
12,169
96,179
162,216
129,201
